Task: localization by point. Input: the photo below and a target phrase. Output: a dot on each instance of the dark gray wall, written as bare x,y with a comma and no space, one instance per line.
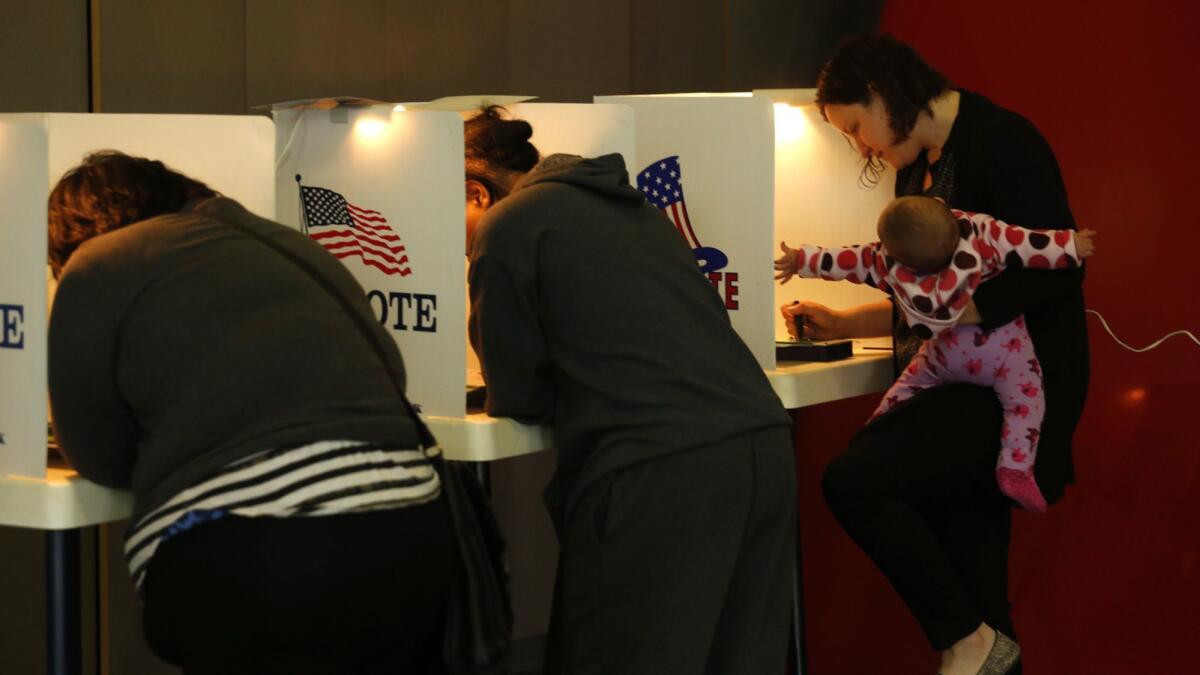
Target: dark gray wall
428,53
315,48
23,620
172,56
569,50
43,56
677,46
226,56
774,44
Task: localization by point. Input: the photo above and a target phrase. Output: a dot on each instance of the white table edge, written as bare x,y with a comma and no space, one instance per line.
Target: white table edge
63,500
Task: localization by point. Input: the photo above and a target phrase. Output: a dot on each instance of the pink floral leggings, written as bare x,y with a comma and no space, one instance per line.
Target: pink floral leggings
1002,359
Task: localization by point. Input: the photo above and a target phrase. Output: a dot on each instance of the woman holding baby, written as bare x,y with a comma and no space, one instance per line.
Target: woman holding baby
916,489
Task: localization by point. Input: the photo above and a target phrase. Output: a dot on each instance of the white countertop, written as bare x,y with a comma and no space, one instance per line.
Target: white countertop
800,384
479,438
60,501
63,500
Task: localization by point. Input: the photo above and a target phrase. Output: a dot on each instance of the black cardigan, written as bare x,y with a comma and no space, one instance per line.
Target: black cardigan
996,162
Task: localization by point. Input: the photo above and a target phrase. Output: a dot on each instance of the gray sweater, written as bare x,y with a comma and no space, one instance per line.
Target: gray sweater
589,312
178,345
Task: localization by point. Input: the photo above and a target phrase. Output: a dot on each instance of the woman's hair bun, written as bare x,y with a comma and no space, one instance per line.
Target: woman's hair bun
501,143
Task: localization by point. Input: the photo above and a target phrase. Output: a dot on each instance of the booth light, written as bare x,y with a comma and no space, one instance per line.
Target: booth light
712,94
369,128
696,94
790,123
400,108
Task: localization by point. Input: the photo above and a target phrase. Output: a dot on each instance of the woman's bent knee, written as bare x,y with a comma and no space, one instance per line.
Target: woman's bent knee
847,476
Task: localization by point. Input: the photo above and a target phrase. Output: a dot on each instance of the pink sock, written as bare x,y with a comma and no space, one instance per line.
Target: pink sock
1023,489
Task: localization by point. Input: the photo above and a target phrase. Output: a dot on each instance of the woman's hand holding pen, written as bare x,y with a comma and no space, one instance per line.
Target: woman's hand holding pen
811,321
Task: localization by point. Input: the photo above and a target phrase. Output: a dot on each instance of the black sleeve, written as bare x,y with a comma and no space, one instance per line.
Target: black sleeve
96,430
505,328
1022,185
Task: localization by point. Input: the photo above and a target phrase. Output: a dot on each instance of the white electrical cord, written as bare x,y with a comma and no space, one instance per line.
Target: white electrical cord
286,151
1148,347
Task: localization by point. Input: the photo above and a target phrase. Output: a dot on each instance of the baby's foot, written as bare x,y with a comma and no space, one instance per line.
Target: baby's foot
1023,489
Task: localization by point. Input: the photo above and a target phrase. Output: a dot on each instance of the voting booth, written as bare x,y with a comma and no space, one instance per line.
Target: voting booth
818,197
707,161
426,171
381,188
740,172
587,130
233,155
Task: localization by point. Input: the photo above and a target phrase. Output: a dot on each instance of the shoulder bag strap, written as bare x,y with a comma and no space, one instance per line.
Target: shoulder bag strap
426,437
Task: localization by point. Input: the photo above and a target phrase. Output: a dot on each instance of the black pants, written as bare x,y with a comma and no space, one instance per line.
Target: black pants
917,491
360,593
681,565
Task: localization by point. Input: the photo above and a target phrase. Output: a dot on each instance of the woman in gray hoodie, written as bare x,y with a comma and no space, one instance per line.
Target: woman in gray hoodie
229,371
674,495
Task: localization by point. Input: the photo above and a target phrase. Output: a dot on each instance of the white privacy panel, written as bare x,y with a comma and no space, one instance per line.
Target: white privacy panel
819,199
708,162
382,189
232,154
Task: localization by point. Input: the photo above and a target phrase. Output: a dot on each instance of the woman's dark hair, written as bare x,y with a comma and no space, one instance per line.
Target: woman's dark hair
496,149
887,66
108,191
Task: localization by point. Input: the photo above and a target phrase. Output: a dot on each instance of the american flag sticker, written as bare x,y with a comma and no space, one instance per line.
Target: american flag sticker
347,230
662,185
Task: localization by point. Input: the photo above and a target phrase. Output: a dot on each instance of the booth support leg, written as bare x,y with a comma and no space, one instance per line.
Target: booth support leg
63,651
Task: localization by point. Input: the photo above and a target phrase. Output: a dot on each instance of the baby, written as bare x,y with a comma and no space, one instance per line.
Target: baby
931,258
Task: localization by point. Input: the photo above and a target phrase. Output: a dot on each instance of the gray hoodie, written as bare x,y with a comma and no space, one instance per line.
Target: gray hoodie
589,313
179,345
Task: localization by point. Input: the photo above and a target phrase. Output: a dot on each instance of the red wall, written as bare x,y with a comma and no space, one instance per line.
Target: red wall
1109,580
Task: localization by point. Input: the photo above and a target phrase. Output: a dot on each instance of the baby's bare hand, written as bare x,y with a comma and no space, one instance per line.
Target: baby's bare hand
785,265
1085,242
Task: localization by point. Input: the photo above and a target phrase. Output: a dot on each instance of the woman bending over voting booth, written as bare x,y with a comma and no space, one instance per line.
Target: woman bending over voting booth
287,519
674,494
